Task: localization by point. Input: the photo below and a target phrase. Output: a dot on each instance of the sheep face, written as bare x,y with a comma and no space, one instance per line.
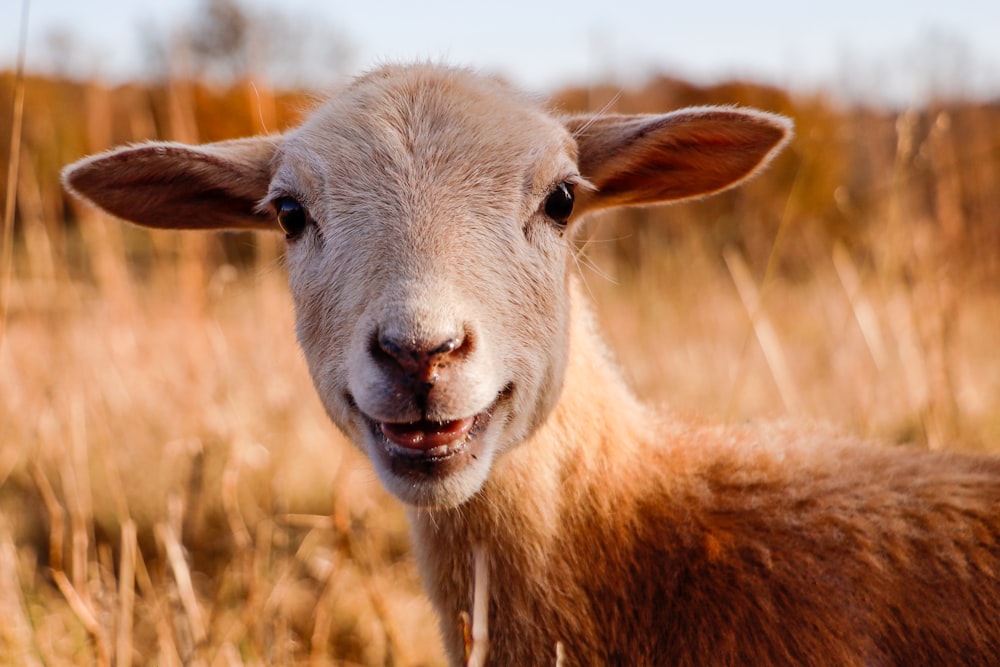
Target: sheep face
427,256
428,212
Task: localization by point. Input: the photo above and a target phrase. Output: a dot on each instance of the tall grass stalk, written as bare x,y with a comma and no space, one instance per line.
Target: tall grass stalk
13,166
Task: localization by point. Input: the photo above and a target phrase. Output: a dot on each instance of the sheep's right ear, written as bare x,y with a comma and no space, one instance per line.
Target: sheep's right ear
656,159
176,186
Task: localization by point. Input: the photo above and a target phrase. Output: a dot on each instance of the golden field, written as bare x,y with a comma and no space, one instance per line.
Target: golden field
172,493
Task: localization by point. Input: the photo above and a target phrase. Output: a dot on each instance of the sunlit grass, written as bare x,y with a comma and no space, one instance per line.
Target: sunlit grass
171,491
260,530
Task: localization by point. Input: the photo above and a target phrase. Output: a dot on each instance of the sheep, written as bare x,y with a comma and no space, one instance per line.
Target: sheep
428,212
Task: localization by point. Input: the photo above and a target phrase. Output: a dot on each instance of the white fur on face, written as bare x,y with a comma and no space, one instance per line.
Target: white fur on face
413,240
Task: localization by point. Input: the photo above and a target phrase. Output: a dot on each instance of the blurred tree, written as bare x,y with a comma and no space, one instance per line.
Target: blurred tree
219,39
228,41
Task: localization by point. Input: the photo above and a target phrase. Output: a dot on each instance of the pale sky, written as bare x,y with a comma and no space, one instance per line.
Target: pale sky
891,48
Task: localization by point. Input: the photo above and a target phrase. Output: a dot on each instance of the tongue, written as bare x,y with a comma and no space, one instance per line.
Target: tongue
426,435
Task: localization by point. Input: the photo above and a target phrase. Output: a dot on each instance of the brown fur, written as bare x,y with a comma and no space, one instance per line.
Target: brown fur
629,538
650,541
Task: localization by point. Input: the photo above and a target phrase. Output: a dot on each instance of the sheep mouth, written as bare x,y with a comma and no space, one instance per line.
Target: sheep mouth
427,439
428,449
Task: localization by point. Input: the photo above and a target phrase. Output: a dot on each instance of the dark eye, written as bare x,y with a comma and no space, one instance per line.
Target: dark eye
292,217
559,205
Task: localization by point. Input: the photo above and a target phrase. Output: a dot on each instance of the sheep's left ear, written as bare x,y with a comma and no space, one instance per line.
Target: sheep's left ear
176,186
652,159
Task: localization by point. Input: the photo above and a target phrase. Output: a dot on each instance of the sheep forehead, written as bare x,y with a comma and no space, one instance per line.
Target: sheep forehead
430,133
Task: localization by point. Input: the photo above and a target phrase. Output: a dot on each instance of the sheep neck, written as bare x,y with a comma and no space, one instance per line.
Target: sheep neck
524,515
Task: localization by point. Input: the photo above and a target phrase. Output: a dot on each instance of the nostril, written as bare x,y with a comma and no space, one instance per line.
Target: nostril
446,347
464,345
385,346
393,351
421,360
377,348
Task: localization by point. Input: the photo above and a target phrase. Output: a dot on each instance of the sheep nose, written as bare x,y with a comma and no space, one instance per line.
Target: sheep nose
421,363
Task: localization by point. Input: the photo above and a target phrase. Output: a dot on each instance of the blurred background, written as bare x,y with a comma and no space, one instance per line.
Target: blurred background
170,489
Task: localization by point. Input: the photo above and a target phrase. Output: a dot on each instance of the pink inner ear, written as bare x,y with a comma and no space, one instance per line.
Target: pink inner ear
173,186
636,160
696,162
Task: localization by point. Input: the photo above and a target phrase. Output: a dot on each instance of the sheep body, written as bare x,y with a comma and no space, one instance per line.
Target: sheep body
641,539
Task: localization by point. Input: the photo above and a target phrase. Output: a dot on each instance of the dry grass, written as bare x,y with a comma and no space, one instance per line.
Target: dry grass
185,451
838,347
172,493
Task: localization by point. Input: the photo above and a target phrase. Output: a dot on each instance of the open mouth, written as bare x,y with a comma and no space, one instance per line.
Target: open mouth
431,449
427,438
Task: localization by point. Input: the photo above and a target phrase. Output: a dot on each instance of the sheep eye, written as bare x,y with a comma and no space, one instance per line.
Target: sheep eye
559,205
292,216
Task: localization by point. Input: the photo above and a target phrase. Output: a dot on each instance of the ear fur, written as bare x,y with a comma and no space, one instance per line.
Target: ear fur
650,159
176,186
